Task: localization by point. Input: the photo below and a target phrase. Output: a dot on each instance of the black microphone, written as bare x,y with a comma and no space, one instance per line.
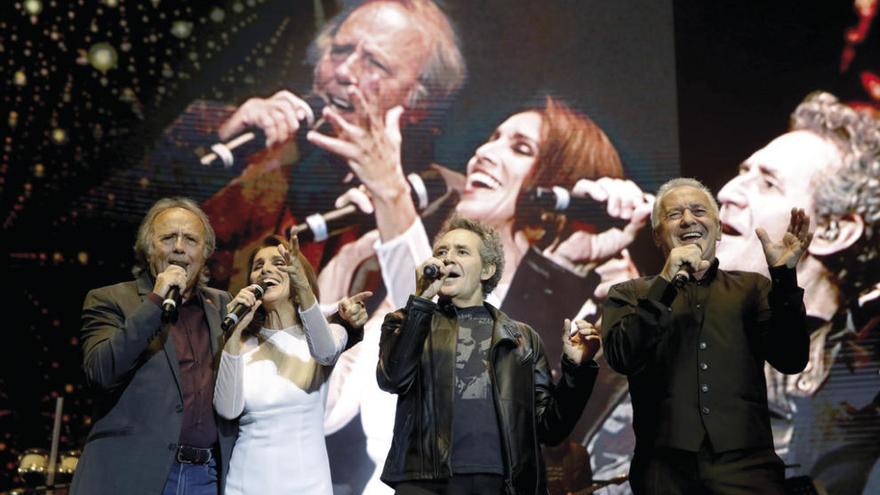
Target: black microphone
683,275
560,200
237,149
239,310
680,279
425,188
172,300
431,271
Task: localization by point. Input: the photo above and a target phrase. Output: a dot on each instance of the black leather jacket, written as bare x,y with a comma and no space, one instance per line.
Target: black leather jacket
417,362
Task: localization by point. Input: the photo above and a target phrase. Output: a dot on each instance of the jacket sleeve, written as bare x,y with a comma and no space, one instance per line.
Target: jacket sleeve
559,406
632,325
401,342
112,343
782,322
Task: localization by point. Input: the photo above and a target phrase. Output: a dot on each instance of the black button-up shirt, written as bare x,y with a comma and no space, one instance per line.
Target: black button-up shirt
694,357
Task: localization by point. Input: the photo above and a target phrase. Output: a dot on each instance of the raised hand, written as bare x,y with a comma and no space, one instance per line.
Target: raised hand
371,147
248,298
298,280
582,250
278,116
429,287
582,344
352,310
794,242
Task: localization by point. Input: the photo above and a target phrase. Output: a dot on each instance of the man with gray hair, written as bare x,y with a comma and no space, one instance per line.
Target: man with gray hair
826,420
483,437
692,342
154,428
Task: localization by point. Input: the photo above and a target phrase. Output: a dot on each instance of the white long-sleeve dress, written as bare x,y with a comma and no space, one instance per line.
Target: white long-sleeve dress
277,389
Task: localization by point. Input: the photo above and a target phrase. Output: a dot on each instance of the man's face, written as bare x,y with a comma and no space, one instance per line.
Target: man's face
770,183
687,217
459,249
178,238
498,169
378,49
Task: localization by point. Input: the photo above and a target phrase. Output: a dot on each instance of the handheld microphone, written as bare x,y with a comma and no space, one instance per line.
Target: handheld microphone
239,310
680,279
172,299
560,200
237,149
431,271
425,187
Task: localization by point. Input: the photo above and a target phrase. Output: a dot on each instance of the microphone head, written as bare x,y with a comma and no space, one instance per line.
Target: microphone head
431,271
260,288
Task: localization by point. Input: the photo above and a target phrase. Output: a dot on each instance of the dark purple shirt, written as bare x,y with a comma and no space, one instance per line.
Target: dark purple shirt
192,342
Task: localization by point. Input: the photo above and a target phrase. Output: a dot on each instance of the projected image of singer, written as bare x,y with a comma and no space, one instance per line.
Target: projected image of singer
694,355
273,376
395,53
826,421
154,429
544,146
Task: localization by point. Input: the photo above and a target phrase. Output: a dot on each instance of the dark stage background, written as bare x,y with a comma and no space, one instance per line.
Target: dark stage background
90,89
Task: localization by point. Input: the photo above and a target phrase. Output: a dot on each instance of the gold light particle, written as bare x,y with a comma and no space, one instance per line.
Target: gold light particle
33,7
59,136
20,78
181,29
103,56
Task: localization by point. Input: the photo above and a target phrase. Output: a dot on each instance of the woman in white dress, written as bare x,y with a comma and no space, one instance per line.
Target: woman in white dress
273,379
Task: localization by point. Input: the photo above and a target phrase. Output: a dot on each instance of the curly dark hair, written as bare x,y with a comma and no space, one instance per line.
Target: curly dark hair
852,188
491,250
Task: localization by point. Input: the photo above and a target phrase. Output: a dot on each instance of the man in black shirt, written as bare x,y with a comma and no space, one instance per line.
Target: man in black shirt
475,395
693,341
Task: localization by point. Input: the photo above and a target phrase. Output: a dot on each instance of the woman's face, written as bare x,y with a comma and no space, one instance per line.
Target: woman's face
268,267
498,169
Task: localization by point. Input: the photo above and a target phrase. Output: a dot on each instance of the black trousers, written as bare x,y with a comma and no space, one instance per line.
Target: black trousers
665,471
461,484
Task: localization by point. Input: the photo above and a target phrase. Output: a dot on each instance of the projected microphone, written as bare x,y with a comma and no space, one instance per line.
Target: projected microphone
172,300
560,200
425,188
239,310
237,149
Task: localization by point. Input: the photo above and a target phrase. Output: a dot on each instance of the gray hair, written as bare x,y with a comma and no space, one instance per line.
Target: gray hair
853,188
491,250
143,244
674,184
445,69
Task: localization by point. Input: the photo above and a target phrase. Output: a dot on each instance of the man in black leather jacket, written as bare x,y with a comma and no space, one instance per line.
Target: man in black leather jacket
456,432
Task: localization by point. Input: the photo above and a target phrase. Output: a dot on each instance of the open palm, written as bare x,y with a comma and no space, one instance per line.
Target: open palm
793,244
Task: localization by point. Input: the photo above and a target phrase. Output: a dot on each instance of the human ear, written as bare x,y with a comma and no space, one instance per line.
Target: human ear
487,271
837,235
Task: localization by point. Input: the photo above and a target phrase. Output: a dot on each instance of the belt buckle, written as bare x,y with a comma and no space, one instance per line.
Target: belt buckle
195,456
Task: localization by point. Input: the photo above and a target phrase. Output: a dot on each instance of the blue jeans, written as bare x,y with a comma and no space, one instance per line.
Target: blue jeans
192,479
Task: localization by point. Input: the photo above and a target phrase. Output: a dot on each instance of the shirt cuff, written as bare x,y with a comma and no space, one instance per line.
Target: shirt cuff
155,299
784,277
662,291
